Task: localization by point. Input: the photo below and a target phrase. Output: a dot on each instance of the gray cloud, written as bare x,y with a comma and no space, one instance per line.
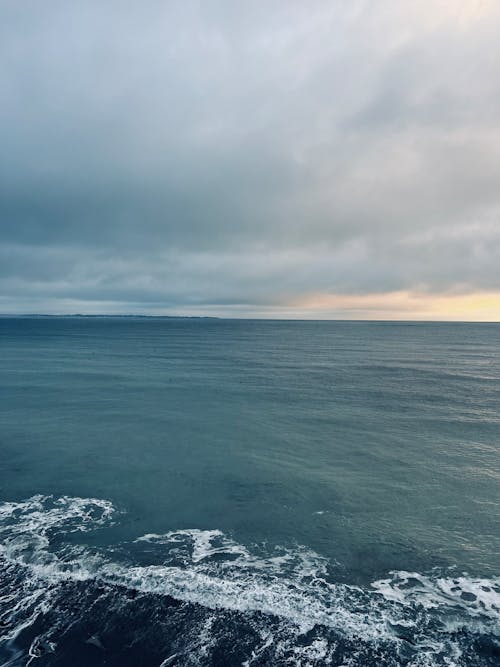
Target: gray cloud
222,157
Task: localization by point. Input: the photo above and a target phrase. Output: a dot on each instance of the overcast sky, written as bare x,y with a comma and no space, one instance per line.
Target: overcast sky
274,158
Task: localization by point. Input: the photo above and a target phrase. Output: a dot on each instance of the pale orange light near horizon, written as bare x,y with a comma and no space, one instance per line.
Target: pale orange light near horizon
406,305
464,12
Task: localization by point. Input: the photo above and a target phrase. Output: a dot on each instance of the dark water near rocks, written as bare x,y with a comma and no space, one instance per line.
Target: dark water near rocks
216,492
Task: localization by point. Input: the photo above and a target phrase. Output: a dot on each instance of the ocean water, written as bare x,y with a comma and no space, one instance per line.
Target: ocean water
217,492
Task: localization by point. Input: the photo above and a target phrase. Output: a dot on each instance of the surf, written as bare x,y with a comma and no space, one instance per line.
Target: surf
281,604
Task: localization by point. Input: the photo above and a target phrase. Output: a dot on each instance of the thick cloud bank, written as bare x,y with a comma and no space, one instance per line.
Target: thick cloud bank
334,159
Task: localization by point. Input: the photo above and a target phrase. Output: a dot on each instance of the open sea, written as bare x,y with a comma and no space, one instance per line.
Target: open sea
228,492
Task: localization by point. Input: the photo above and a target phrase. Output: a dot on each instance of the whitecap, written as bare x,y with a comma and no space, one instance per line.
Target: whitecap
217,573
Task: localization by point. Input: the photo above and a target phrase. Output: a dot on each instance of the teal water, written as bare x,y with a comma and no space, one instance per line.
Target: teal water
277,478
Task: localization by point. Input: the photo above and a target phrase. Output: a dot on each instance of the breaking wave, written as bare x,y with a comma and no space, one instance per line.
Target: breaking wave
197,597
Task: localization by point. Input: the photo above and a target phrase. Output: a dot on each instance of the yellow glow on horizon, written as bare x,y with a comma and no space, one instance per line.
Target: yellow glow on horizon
406,305
470,10
464,12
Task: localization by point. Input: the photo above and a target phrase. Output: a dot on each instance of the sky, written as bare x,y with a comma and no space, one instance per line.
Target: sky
323,159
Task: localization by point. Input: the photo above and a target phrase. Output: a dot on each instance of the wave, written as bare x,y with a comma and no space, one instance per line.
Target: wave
198,597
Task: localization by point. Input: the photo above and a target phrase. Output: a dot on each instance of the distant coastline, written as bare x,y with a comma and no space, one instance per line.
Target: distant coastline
132,316
108,316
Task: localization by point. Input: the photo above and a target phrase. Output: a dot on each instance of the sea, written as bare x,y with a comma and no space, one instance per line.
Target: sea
190,491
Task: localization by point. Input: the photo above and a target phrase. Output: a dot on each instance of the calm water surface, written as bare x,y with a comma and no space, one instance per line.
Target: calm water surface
217,492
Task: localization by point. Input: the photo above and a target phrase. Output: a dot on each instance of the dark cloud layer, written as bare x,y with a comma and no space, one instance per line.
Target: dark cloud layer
242,157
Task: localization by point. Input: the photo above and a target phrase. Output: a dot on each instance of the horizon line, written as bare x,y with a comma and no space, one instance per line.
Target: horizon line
225,317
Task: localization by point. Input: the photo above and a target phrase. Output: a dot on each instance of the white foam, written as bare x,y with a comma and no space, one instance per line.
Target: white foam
207,545
479,597
202,544
302,605
218,573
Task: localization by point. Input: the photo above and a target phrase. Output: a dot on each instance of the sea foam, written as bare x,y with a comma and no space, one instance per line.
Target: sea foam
284,595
